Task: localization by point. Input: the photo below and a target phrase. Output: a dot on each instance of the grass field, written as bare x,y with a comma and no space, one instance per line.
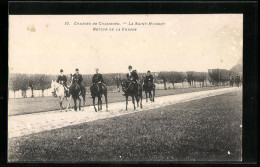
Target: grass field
205,129
39,104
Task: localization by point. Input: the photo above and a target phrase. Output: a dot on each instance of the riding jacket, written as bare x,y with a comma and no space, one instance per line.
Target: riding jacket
132,76
148,78
97,78
62,79
77,79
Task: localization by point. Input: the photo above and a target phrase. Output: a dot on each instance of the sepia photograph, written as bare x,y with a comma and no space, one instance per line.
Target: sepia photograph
125,88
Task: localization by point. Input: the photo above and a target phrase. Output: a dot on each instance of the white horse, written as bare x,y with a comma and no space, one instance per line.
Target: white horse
60,92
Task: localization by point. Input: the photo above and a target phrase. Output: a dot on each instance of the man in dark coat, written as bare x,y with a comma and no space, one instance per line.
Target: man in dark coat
132,75
98,79
148,77
62,79
77,79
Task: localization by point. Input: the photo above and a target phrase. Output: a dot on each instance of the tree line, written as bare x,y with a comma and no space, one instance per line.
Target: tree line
213,76
43,81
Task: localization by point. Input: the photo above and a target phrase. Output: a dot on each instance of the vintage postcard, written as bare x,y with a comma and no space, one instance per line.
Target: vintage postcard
132,87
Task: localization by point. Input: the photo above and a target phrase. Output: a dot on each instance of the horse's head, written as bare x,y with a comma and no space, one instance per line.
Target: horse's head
124,84
150,83
54,85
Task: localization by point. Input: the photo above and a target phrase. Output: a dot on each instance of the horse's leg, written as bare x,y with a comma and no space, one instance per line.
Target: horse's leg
150,95
141,98
94,103
84,100
153,94
126,98
70,101
60,104
75,103
106,100
67,104
100,103
133,100
137,100
146,96
79,103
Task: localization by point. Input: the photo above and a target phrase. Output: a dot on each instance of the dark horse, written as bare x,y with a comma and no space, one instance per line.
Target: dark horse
149,88
75,91
96,91
237,80
130,89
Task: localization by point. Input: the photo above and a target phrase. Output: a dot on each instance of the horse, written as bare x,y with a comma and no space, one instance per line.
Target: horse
149,88
76,91
237,81
231,81
130,89
60,93
96,91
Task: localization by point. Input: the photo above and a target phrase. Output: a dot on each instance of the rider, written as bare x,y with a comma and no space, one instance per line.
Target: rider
77,78
62,79
133,76
98,78
148,77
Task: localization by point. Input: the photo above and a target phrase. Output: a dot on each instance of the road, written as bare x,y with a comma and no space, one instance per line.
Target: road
27,124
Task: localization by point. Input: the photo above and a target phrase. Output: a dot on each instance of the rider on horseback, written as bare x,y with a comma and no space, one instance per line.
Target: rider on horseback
62,79
148,77
98,79
77,79
132,76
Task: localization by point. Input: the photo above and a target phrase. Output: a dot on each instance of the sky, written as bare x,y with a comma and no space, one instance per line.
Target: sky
43,44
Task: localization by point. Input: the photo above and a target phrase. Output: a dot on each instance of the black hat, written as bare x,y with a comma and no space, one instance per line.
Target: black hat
129,67
61,70
77,69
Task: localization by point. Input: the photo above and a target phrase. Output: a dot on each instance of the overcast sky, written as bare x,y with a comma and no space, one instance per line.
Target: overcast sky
43,44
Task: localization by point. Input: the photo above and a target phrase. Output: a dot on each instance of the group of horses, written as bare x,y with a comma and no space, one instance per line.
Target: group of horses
130,88
234,80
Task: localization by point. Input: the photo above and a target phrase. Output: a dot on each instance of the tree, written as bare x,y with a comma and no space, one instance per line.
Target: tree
33,81
163,76
200,77
174,77
218,76
43,82
190,77
23,80
238,69
14,84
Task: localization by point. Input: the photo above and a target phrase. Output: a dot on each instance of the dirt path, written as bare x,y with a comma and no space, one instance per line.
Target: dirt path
21,125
